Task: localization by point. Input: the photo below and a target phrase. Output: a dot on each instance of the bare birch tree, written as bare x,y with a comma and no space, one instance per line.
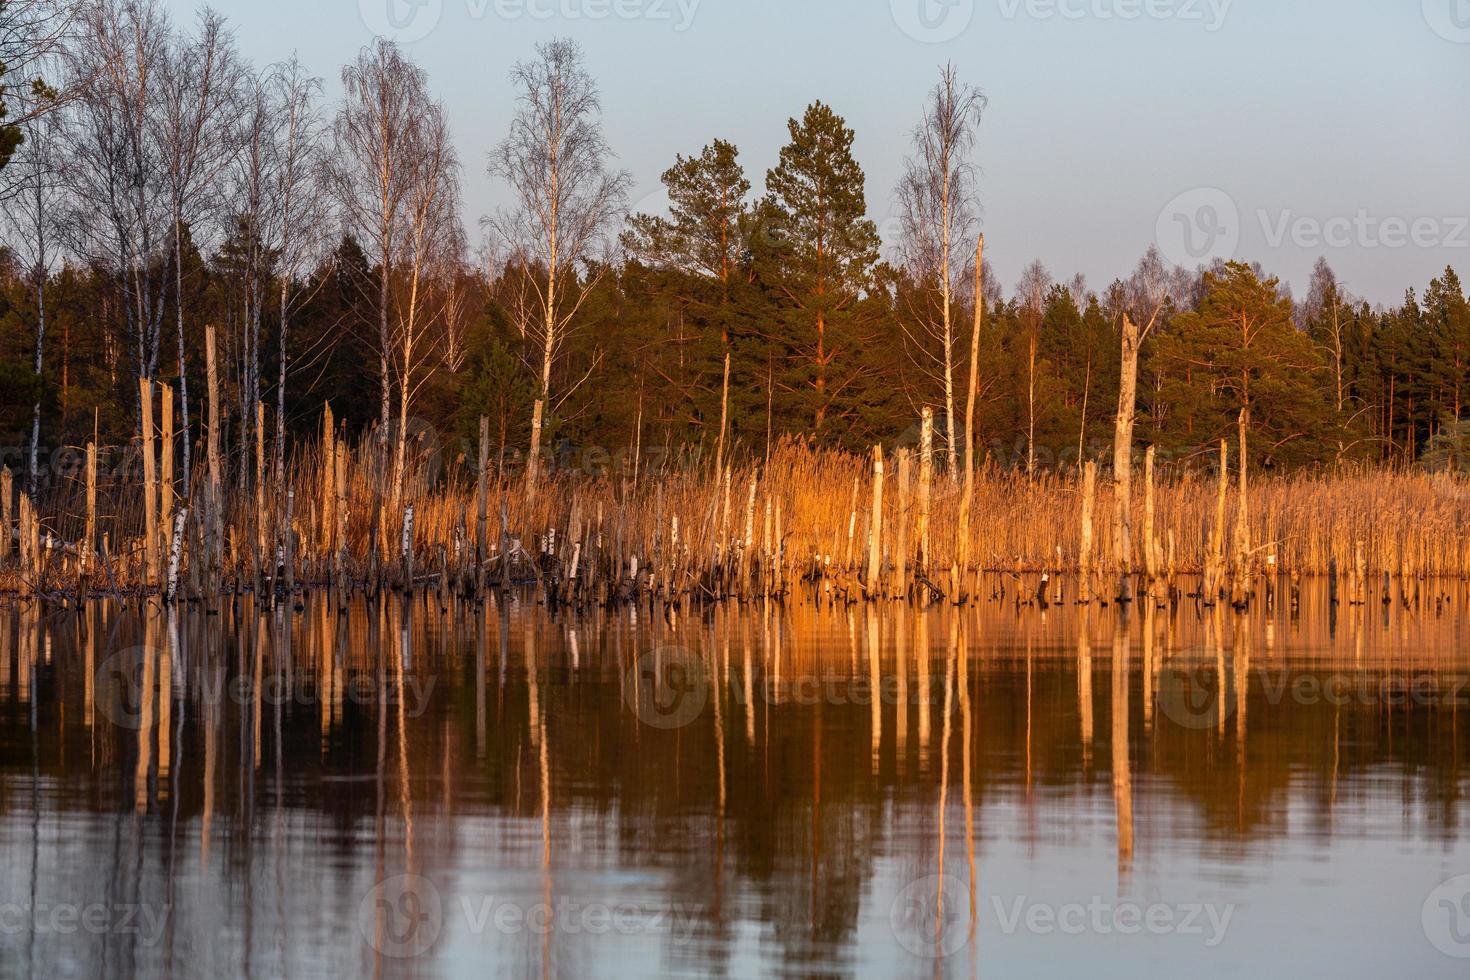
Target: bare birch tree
431,235
456,284
371,173
1031,297
117,191
251,259
1142,302
32,34
31,218
198,81
555,160
937,216
299,210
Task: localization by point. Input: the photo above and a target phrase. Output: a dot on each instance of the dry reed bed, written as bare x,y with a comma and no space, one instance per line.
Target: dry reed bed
681,522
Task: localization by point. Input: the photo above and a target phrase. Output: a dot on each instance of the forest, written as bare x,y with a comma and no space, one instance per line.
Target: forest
156,184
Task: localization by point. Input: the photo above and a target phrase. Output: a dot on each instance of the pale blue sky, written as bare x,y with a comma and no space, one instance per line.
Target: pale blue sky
1300,111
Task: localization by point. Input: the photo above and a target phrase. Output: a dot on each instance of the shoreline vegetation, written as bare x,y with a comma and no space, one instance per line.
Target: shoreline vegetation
806,522
275,306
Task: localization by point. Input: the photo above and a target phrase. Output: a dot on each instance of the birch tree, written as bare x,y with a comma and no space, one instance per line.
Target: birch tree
32,33
195,131
249,251
371,174
1035,283
937,222
431,235
556,161
119,211
30,219
1143,301
299,210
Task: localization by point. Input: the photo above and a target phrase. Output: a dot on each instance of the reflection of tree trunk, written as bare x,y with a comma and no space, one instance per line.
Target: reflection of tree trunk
1122,770
967,765
941,916
1242,528
1084,687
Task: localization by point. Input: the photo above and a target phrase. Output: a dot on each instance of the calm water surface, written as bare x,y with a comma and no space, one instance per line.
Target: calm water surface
406,790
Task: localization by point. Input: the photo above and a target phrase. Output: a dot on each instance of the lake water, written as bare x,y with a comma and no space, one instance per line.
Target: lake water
807,790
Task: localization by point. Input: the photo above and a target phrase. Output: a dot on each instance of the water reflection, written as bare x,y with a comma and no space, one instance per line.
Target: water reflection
407,789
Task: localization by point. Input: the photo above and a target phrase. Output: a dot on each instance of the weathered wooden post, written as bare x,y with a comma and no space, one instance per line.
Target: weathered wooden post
325,534
175,551
166,466
214,532
1084,559
339,555
408,548
6,518
89,539
150,485
926,481
1215,560
482,500
262,523
1150,537
1240,589
1123,460
37,558
288,544
901,547
875,536
27,556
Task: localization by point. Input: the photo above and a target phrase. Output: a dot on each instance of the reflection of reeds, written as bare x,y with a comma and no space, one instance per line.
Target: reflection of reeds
686,530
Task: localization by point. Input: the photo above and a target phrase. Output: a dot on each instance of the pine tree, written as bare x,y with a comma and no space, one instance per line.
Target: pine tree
1239,356
827,248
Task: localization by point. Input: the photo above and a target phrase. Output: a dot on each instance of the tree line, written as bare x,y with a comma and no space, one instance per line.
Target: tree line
156,183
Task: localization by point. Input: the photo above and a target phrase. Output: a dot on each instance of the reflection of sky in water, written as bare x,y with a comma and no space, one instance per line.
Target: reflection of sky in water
761,837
